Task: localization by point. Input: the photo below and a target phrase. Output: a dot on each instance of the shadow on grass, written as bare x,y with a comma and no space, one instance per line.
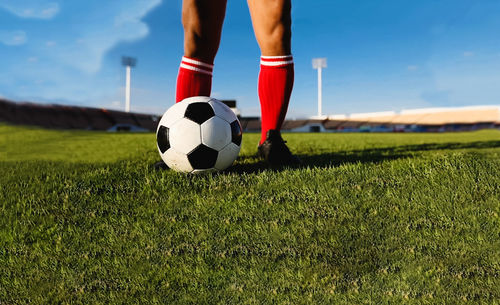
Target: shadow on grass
252,164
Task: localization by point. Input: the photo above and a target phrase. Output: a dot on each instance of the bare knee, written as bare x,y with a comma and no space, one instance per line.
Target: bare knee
198,41
202,22
272,25
199,46
277,40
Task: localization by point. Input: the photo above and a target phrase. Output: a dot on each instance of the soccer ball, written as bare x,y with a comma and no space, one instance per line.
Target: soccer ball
199,134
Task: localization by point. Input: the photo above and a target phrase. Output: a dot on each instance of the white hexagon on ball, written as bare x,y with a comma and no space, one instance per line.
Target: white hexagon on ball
177,161
215,133
173,115
222,110
185,136
227,156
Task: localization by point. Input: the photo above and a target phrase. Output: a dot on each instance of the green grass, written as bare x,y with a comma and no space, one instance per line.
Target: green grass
372,218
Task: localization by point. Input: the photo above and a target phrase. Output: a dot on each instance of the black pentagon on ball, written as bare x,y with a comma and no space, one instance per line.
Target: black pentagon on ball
236,132
203,157
162,139
199,112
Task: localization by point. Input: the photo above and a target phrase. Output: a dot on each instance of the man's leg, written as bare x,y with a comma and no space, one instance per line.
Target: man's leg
202,21
272,25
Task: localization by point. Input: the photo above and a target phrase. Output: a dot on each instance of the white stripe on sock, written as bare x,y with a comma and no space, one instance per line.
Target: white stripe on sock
276,63
195,69
277,57
196,62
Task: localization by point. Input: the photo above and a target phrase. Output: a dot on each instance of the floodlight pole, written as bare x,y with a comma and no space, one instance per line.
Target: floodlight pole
320,93
127,89
128,62
319,64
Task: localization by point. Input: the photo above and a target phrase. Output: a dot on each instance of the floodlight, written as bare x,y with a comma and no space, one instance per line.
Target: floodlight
129,61
319,63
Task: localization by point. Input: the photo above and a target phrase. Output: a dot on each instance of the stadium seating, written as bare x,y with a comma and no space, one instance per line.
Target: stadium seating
421,120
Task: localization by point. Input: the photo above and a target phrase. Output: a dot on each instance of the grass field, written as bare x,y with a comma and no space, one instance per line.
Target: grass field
372,218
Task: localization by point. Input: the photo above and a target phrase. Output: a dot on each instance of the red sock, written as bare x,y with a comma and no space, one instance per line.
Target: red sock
275,88
194,79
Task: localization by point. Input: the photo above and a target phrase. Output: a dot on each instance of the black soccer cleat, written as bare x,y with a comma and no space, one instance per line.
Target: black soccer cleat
275,152
160,165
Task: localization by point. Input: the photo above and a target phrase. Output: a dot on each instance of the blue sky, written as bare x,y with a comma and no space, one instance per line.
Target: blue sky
382,54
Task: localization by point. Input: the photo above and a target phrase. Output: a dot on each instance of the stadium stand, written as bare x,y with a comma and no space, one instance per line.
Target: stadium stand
250,124
147,121
350,125
422,120
466,115
97,119
417,120
295,124
74,117
332,124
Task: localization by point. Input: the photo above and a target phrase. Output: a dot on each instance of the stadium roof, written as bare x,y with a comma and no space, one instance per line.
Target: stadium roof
430,116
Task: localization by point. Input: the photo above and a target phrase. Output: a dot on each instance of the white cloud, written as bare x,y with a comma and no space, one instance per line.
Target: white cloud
66,52
96,29
37,9
13,38
50,11
86,32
